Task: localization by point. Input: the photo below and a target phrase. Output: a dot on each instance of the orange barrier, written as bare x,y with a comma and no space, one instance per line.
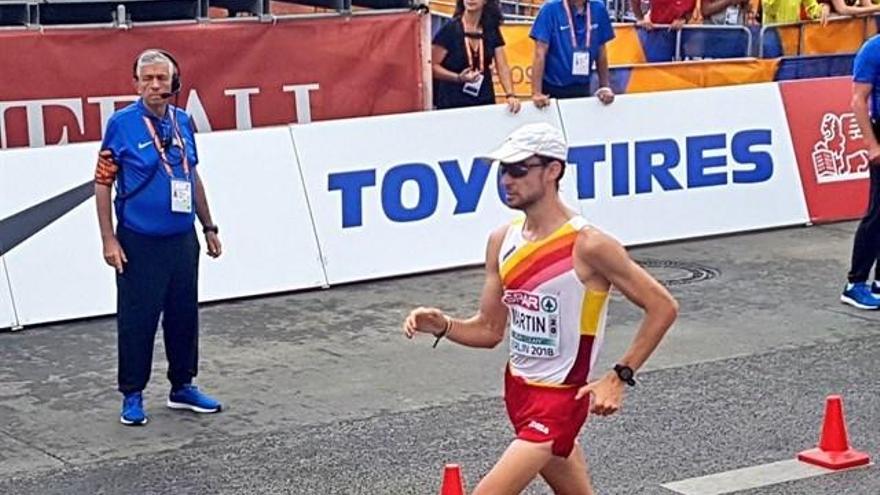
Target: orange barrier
702,74
837,37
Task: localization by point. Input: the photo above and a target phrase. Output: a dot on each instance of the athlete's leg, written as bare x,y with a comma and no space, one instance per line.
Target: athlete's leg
568,476
519,465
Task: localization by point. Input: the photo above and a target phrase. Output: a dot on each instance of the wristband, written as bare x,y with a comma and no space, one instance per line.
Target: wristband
443,333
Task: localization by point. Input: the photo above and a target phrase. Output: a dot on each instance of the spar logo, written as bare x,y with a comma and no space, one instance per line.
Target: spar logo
522,299
839,154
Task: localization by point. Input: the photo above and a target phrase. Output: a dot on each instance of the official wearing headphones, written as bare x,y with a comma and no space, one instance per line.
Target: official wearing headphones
149,153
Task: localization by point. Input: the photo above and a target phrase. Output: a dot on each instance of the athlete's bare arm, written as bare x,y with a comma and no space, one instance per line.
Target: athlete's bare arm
600,260
484,329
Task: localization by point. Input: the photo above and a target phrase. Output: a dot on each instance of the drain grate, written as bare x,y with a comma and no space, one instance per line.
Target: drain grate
672,272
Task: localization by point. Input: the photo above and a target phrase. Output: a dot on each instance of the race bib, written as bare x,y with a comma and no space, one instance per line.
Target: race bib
580,64
181,196
534,324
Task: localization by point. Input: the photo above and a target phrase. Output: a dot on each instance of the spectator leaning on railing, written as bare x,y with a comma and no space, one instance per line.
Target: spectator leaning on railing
727,12
462,55
672,12
852,7
570,38
788,11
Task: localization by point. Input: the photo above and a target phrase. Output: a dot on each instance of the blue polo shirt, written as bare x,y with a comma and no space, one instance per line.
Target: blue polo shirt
148,211
866,69
551,27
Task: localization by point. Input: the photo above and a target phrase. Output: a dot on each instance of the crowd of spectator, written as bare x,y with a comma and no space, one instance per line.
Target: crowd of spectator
677,13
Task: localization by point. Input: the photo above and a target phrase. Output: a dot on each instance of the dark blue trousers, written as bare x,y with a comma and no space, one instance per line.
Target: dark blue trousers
564,92
160,277
866,244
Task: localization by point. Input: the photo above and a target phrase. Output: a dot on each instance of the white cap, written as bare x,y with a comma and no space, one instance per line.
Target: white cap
529,140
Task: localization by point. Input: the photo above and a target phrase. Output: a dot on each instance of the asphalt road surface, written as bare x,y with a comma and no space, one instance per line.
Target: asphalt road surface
324,396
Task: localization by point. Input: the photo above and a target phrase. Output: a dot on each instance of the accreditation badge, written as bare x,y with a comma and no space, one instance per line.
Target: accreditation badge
181,196
473,88
580,64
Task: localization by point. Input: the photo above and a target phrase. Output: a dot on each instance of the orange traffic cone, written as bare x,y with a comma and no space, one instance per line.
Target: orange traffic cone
834,451
453,484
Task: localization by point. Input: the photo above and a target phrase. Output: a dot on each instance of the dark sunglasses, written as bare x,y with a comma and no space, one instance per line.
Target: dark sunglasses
519,169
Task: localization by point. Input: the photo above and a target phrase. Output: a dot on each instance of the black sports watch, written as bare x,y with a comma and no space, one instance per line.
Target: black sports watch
626,374
210,228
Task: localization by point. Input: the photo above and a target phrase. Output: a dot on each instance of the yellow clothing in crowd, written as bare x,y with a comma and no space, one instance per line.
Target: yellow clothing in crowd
784,11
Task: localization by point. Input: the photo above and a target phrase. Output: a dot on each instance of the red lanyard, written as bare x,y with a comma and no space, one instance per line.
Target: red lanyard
161,149
470,52
574,44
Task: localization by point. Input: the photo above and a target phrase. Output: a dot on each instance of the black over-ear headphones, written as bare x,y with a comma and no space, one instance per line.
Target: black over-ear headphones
175,77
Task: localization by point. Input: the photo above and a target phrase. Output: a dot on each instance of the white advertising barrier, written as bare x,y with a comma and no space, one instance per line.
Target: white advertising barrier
662,166
256,195
56,271
402,194
312,205
257,199
8,318
7,309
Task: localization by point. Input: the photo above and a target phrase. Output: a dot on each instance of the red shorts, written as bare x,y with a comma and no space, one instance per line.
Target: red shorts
543,414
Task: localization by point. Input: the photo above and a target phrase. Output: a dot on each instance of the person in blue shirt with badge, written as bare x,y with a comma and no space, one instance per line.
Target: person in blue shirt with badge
570,37
866,244
149,153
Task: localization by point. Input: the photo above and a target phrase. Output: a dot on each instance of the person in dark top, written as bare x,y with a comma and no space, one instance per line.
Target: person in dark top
463,52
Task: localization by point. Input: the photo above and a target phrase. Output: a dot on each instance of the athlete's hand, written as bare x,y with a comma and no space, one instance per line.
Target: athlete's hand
425,320
607,394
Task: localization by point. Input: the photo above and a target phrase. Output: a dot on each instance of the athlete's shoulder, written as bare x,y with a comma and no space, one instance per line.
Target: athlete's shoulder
592,239
578,222
497,236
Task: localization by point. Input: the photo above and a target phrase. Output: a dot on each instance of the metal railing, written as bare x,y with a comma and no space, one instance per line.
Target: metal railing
802,26
32,14
708,29
755,39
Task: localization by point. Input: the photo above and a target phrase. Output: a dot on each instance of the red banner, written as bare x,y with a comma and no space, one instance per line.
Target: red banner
828,144
62,85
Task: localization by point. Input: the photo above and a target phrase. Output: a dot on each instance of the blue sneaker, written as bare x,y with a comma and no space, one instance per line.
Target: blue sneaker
859,295
189,397
133,410
875,288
